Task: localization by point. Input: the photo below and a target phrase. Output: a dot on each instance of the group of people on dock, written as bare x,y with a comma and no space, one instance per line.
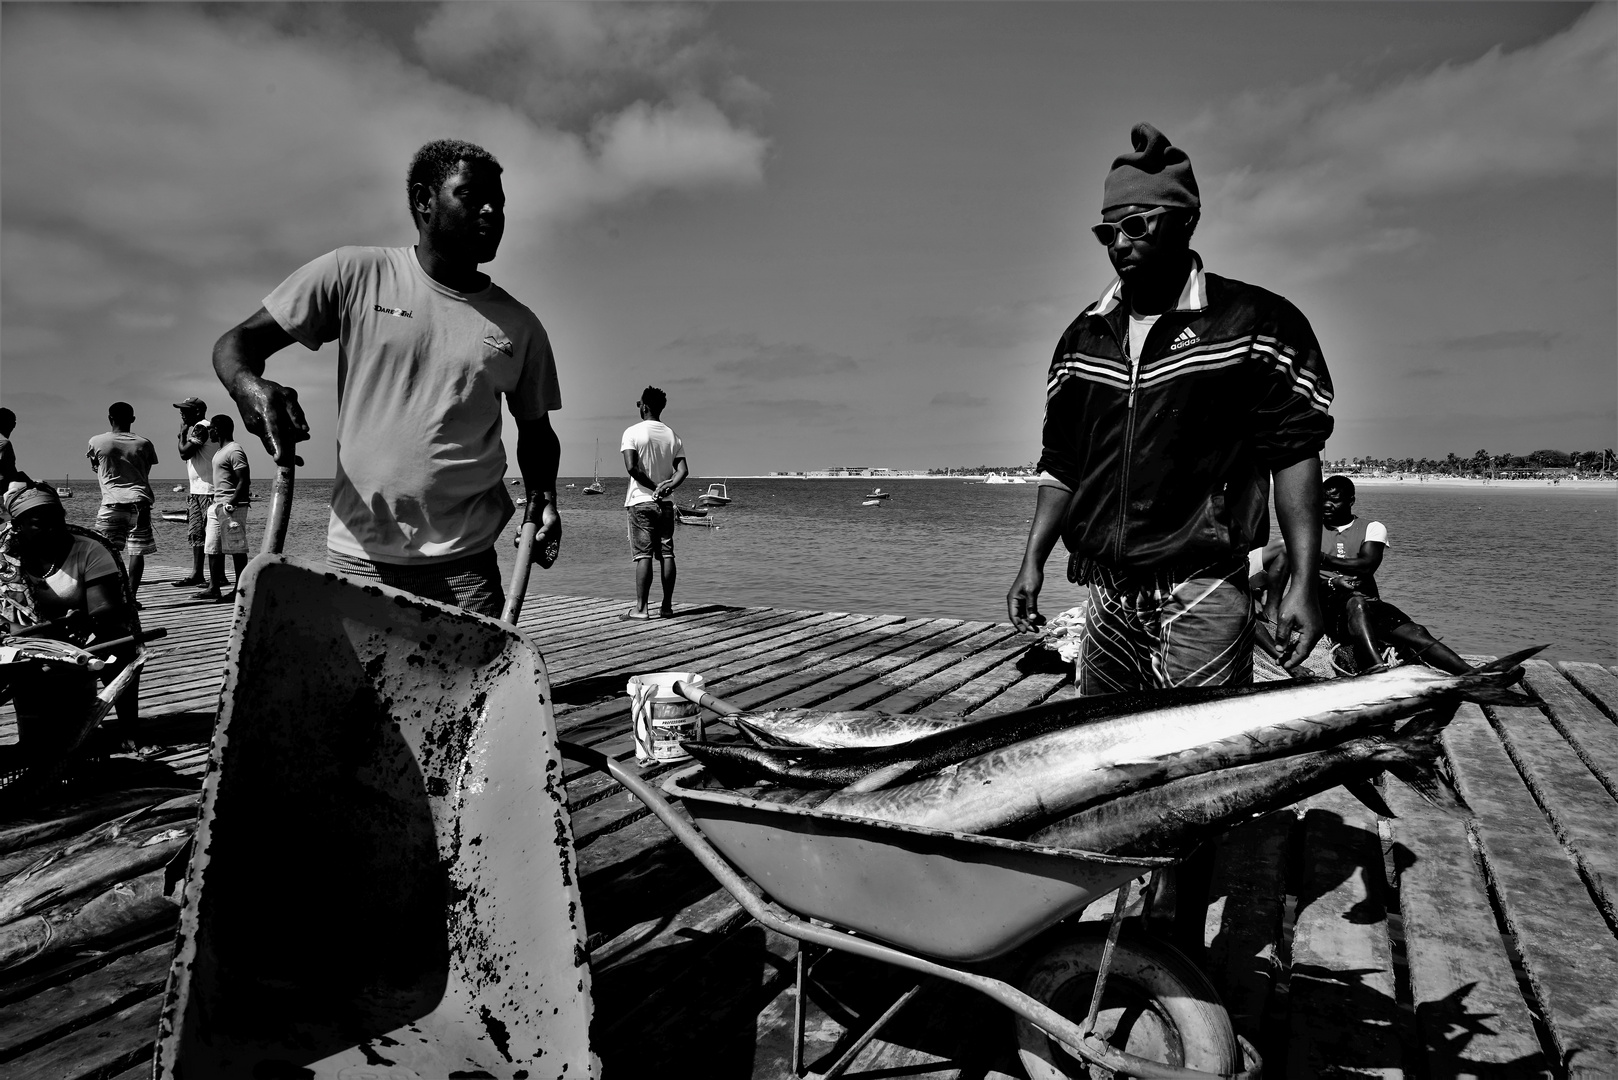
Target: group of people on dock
1173,404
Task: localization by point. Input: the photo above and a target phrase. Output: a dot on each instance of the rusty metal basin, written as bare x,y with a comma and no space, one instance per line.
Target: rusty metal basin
384,882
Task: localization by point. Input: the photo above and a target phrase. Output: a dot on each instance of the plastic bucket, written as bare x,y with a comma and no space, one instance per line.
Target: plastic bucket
662,718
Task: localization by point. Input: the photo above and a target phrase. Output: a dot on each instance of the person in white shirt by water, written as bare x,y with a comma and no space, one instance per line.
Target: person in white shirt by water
654,457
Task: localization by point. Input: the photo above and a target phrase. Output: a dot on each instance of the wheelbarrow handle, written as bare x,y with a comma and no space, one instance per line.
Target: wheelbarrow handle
519,573
705,699
774,917
275,530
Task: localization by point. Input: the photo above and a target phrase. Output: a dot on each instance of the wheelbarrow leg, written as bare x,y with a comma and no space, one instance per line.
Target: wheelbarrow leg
1113,926
842,1064
797,1011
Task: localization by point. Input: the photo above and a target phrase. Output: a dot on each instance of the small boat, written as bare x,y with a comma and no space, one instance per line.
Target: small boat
174,515
596,487
996,478
514,483
179,489
64,492
878,495
716,495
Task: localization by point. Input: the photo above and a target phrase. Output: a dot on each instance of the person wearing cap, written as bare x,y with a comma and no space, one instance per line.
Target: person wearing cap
69,583
427,348
123,462
1172,403
197,449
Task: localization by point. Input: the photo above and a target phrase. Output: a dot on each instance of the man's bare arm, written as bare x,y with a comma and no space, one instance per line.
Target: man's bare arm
1022,602
1297,507
1364,564
268,409
666,488
539,455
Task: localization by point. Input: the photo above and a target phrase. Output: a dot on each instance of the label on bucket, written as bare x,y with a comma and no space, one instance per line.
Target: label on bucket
663,719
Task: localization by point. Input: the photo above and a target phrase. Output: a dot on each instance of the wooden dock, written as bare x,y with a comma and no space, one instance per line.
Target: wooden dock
1343,944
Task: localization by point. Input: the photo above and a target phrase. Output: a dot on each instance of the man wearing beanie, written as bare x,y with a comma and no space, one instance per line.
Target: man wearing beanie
1172,402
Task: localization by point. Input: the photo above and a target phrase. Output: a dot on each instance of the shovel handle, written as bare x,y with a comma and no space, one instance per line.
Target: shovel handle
275,530
706,700
519,573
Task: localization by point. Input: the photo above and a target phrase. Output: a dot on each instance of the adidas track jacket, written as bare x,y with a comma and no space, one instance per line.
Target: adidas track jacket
1169,458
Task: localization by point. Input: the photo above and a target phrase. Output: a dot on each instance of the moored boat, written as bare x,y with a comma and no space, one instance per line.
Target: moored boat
716,495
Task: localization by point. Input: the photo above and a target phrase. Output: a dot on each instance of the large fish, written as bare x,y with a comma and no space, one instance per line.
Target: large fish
819,767
1172,818
853,727
1053,775
139,903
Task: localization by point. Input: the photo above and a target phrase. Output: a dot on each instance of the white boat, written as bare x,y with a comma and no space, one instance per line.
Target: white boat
996,478
596,487
875,498
174,515
716,495
880,494
64,492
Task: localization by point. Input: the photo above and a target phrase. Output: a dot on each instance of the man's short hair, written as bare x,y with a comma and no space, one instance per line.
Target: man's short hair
435,161
224,425
654,399
120,412
1339,482
7,417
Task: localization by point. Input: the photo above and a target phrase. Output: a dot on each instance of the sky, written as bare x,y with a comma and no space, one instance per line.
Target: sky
835,233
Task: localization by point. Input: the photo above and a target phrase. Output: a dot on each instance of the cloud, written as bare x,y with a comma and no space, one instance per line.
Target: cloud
749,357
1316,174
1428,373
993,326
26,400
1502,340
959,400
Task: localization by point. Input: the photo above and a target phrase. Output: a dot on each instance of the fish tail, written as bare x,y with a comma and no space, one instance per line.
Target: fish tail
1416,757
1506,663
1491,683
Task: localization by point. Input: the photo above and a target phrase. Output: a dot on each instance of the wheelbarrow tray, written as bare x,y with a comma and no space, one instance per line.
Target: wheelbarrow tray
383,881
950,896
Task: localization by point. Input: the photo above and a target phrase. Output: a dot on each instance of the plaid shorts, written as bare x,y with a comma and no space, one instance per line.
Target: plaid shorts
196,513
129,524
1158,629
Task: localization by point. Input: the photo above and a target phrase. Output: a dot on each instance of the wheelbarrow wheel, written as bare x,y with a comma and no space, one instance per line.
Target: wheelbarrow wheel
1157,1005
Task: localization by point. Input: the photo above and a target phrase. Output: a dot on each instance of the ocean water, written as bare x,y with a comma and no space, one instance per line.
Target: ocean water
1488,570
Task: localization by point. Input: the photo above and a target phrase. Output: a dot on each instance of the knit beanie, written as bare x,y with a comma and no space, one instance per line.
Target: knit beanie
1156,174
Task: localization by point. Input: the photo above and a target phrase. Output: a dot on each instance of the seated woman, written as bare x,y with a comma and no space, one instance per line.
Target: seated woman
71,583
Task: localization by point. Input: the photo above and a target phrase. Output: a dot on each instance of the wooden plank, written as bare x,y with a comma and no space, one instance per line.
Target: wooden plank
1567,949
25,1025
1585,727
1579,808
1030,690
957,678
1344,1013
1470,1015
916,638
1248,898
949,649
1596,681
103,1049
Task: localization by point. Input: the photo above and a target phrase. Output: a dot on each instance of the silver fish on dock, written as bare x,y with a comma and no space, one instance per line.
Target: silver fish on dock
1053,775
867,767
848,728
1172,818
139,903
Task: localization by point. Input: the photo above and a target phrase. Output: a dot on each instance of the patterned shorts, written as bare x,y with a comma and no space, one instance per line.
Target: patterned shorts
226,533
1153,630
129,524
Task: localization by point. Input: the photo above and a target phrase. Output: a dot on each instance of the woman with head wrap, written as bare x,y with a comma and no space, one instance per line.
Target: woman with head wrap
71,583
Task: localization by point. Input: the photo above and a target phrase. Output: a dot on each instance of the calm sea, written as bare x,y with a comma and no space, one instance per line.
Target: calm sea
1488,570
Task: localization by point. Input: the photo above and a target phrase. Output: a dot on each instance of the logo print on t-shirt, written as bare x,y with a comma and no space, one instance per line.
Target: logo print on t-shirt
400,312
501,343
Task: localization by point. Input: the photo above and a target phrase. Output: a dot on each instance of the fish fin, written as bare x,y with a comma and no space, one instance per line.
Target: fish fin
1506,663
1499,694
880,778
1366,792
758,735
1416,758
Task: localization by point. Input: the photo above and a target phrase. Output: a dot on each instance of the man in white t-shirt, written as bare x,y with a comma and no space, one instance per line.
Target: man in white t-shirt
427,347
197,449
654,457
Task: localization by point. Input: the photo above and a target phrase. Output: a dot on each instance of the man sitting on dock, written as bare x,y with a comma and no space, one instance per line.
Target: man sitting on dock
1357,618
427,346
654,457
1171,403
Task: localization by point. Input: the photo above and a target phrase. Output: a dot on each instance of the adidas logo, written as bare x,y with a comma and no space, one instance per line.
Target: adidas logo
1186,338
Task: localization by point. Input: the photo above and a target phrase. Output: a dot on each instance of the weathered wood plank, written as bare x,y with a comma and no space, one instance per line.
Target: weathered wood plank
949,650
1579,808
957,682
1585,727
103,1049
1344,1012
1567,949
1247,900
1598,682
50,1014
914,640
1470,1015
1030,690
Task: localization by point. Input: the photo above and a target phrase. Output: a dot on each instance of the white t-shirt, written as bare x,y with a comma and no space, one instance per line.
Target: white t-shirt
1375,533
60,594
1139,327
658,447
420,372
199,467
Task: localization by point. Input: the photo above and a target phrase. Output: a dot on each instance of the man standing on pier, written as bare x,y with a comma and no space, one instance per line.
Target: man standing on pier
427,345
123,463
1171,403
197,448
654,457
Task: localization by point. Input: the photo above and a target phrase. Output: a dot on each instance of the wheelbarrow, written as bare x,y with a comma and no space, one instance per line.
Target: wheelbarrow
383,883
941,904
